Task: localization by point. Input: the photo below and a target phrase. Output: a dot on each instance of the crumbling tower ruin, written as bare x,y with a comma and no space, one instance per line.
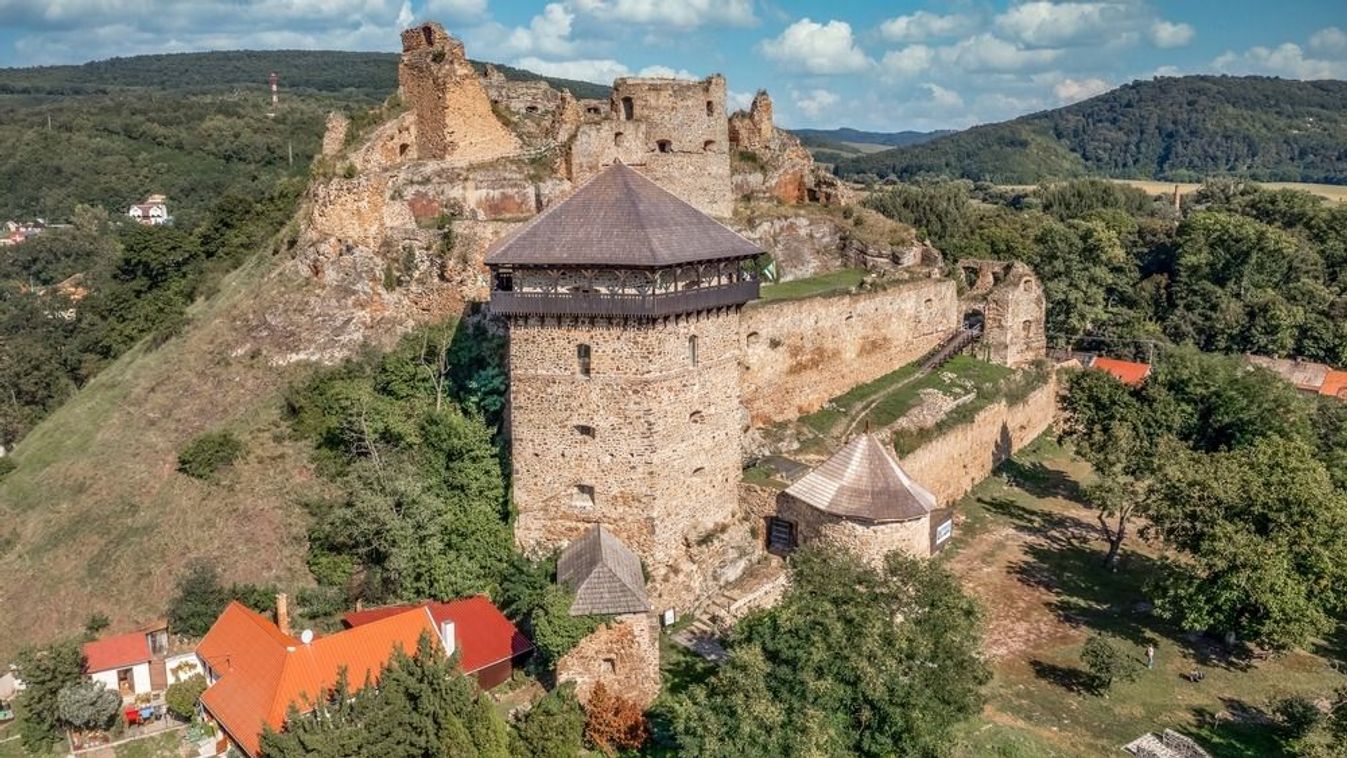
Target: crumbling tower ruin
452,111
673,131
753,129
623,303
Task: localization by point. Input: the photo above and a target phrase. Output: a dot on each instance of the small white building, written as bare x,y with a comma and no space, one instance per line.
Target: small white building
152,212
121,663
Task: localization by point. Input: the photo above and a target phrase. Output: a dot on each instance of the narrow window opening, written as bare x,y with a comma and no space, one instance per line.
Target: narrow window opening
753,339
692,350
428,35
585,431
710,108
1027,284
695,417
592,110
628,109
664,146
708,146
402,149
619,139
1027,328
530,109
610,666
582,358
583,496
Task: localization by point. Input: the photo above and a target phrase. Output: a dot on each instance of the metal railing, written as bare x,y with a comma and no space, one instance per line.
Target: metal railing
622,304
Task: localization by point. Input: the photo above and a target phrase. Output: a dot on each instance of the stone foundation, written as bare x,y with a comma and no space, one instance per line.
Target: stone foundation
623,654
870,541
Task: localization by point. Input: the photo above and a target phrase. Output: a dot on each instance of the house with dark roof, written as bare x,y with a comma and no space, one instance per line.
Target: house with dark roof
623,652
489,646
862,499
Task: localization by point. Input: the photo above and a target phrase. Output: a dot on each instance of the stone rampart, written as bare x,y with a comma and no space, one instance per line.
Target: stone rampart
951,464
623,654
798,354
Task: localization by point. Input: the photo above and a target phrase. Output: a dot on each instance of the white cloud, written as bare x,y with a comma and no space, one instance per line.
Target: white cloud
942,97
685,14
464,10
814,102
1073,90
664,72
547,33
985,52
817,48
597,70
923,25
738,100
1329,41
1045,24
1288,60
1167,34
906,63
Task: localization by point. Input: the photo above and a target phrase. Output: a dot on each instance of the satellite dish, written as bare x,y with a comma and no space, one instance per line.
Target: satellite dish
306,636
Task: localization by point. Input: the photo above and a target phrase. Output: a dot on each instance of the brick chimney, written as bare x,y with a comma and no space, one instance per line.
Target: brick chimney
283,613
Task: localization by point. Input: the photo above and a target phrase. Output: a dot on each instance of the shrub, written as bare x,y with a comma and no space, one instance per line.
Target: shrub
181,697
614,724
96,623
554,728
1107,663
7,466
555,630
87,705
207,454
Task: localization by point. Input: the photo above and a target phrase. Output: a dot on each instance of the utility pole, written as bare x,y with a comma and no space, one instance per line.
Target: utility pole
290,149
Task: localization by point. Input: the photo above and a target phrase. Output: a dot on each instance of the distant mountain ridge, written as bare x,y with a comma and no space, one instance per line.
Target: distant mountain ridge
372,75
1171,128
847,134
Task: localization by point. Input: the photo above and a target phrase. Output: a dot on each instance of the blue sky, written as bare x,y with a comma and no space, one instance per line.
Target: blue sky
872,65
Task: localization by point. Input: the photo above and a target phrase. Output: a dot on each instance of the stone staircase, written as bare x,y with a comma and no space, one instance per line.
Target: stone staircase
760,587
1166,744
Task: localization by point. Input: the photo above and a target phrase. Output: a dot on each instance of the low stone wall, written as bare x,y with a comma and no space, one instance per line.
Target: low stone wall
798,354
623,654
951,464
871,542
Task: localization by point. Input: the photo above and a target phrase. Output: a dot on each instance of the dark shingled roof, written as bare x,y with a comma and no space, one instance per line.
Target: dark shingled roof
619,218
864,481
605,575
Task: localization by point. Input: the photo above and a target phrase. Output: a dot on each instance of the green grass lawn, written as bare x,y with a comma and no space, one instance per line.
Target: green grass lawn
1032,555
831,283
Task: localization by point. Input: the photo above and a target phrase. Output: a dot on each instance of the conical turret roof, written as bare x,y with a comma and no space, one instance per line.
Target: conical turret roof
863,481
619,218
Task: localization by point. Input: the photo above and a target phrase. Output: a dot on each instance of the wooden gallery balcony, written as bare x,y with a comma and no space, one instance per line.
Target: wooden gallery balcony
563,303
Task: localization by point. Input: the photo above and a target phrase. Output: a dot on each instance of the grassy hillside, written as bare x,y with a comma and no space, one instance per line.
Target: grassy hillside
1179,129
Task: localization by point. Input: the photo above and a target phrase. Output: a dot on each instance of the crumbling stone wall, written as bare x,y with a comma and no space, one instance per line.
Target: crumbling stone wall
1010,297
800,353
869,541
673,131
334,134
647,444
453,113
753,129
772,163
951,464
623,654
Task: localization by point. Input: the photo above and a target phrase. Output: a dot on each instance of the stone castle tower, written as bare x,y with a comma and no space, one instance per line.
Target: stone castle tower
623,302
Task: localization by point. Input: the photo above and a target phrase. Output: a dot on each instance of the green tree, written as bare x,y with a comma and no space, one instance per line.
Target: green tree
87,705
553,728
45,672
1107,663
201,597
209,453
182,697
555,630
1263,536
856,660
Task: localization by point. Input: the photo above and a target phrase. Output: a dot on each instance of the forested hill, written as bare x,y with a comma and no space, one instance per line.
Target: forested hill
1173,128
369,74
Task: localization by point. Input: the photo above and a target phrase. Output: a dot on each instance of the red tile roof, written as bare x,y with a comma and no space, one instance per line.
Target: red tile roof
116,652
1127,372
262,671
482,635
1335,384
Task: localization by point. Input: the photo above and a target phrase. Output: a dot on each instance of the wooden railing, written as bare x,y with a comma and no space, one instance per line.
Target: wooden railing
622,304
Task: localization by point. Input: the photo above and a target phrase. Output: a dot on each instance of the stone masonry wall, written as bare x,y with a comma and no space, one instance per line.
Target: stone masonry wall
655,437
623,654
871,542
800,353
1011,299
951,464
453,113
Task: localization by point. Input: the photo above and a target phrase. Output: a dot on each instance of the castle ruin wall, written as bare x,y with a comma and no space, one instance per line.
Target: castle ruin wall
623,653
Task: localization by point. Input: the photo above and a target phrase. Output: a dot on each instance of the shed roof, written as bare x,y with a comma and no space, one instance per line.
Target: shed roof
1128,372
619,218
863,481
604,573
482,634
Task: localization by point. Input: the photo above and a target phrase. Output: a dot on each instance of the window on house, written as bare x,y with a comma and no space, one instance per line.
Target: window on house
584,431
628,109
1027,284
781,537
619,139
505,282
582,358
583,496
692,350
664,146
